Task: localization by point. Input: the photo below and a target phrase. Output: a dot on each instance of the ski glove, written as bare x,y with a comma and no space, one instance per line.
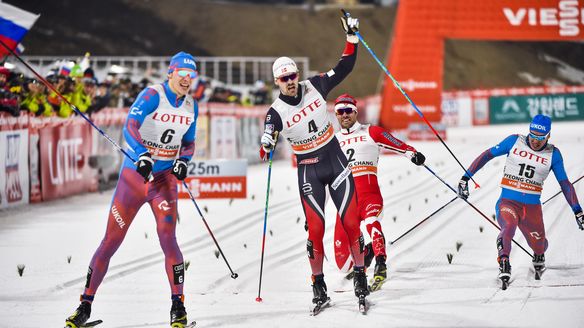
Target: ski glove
463,187
418,158
144,166
350,25
580,220
179,168
268,142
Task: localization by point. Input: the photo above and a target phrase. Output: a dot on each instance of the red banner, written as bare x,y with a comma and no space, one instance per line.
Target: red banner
64,160
417,53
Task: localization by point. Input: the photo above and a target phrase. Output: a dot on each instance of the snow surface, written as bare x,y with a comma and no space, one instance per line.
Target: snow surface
423,290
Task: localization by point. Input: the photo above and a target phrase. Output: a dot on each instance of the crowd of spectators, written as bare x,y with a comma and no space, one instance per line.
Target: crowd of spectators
20,93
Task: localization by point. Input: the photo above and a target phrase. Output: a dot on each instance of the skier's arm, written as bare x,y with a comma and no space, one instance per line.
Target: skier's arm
565,184
187,148
272,124
386,140
325,82
146,102
504,147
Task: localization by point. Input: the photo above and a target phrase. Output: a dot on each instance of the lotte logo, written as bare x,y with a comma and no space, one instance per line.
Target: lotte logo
568,16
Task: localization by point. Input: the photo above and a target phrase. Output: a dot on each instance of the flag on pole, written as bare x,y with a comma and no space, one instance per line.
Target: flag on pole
14,24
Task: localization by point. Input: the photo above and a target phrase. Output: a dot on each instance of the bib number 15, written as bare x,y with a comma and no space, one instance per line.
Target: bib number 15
527,171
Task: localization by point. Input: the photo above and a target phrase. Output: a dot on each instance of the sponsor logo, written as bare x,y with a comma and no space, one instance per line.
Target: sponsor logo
409,110
309,161
412,85
66,162
508,210
189,61
346,172
530,156
565,16
535,235
304,112
118,217
537,127
172,118
510,105
353,140
136,111
164,205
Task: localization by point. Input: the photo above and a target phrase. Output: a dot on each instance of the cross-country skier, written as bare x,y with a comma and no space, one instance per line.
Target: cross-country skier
361,143
160,130
300,115
529,161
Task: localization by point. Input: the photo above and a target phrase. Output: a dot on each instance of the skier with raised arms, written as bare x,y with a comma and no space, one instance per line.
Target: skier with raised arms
300,115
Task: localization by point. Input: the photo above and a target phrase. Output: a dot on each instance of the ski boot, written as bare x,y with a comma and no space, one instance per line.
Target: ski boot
538,265
80,316
320,299
361,288
380,273
504,271
178,314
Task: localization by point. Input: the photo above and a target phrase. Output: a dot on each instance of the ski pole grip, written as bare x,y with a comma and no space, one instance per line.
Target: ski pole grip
346,14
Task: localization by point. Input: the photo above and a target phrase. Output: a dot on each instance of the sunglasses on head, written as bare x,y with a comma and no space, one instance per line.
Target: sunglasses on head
287,78
536,137
183,73
344,110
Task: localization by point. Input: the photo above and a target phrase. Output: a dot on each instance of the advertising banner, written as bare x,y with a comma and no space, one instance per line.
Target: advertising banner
520,109
64,160
419,66
13,168
216,179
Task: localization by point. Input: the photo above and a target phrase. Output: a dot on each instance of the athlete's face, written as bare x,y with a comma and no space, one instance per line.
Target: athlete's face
288,84
180,81
347,117
537,140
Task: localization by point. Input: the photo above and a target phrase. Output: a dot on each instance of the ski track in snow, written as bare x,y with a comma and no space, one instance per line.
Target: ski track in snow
423,289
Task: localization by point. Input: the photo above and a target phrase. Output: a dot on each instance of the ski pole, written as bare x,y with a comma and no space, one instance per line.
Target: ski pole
424,220
396,84
115,144
476,209
559,192
259,298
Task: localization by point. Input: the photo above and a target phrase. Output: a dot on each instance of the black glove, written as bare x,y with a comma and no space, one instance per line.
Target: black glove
179,168
463,187
144,166
418,158
350,25
580,220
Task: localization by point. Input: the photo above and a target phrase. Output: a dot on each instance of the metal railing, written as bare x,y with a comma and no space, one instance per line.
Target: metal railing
238,71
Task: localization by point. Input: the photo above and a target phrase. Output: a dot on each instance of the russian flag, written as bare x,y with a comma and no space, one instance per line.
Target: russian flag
14,23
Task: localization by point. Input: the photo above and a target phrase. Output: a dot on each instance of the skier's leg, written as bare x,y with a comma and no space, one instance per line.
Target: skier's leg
371,208
313,196
345,199
508,219
129,196
164,206
533,228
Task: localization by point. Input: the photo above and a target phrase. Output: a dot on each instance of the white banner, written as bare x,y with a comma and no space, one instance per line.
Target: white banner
223,143
13,168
